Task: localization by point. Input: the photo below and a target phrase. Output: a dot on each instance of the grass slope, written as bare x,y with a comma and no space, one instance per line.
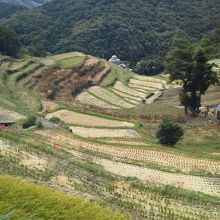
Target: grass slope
23,200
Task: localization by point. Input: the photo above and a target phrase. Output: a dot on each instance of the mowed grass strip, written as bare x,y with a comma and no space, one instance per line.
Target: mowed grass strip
24,200
116,74
71,62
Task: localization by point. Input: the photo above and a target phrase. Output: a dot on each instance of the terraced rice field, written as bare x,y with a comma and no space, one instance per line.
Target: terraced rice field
10,115
126,95
153,85
164,158
104,159
19,65
66,56
150,79
122,88
128,193
203,184
206,185
80,119
105,94
103,132
88,99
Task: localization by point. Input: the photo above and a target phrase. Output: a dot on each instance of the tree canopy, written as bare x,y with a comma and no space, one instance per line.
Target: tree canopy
9,44
169,133
188,63
133,30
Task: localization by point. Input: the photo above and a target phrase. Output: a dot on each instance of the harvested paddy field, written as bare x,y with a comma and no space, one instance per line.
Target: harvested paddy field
103,132
184,163
202,184
9,114
76,118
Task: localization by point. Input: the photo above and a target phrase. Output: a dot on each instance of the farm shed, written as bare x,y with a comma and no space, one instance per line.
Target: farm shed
217,110
6,123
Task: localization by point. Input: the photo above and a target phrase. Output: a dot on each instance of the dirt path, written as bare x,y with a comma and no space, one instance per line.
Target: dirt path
209,186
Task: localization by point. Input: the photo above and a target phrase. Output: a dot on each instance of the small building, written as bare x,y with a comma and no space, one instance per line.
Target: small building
1,60
217,112
115,60
4,123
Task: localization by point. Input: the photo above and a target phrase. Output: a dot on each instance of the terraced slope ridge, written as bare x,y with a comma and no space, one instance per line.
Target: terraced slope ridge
94,138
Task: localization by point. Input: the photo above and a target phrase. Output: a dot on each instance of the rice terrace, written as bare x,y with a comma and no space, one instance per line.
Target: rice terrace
92,145
109,110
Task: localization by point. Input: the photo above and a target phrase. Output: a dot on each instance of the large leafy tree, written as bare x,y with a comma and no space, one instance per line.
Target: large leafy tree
179,64
9,44
187,63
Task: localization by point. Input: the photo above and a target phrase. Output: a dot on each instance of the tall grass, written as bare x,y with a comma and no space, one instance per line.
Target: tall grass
29,201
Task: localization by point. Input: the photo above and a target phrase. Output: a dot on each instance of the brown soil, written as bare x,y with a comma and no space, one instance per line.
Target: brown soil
63,84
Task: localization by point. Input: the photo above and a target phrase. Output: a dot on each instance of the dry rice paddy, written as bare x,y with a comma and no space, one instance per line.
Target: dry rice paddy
105,94
75,118
9,114
103,133
206,185
164,158
88,99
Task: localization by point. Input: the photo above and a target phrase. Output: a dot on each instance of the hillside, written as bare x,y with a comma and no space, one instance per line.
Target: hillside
7,10
97,142
26,3
104,28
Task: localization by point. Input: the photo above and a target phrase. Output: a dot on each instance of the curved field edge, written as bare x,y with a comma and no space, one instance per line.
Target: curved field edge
15,193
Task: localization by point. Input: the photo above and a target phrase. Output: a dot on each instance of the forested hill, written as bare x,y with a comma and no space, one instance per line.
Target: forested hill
131,29
7,10
27,3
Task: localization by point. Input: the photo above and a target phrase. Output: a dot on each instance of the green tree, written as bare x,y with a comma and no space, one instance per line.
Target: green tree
30,121
38,50
169,133
9,44
149,67
188,64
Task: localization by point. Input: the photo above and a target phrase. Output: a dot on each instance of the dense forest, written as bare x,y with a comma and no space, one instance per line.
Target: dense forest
26,3
7,10
133,30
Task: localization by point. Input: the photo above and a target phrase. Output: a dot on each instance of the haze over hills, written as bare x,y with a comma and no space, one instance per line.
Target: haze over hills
27,3
131,29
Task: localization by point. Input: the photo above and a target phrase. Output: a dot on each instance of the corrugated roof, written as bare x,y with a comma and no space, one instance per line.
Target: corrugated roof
6,121
218,108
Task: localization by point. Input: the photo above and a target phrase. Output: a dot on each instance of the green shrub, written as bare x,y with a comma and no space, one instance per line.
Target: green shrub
29,122
55,120
169,133
39,125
